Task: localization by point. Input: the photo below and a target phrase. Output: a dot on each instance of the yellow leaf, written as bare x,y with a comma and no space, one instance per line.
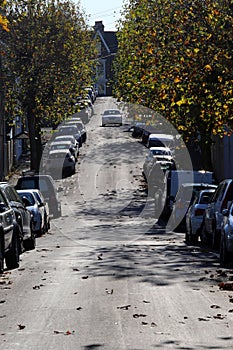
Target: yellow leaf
208,67
196,50
177,80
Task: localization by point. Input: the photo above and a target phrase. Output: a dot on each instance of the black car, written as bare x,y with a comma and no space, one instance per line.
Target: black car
10,236
45,184
22,215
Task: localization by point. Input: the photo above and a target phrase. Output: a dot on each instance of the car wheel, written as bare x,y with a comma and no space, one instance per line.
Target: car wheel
224,255
103,124
56,213
204,236
12,256
30,243
215,237
187,237
1,250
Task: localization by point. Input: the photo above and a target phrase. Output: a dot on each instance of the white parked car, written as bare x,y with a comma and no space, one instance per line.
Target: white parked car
37,210
194,216
156,154
111,117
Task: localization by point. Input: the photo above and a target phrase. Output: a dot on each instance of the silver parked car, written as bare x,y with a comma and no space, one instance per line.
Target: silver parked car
226,243
194,216
36,209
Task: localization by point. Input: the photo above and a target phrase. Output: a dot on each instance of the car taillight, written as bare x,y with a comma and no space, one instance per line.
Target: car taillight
199,212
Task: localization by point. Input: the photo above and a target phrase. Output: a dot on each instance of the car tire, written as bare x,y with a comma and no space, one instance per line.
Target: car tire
103,125
12,256
30,243
224,255
204,236
56,214
216,237
1,250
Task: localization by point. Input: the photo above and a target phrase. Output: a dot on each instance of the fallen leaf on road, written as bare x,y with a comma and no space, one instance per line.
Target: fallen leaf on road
2,301
99,257
79,308
144,323
153,324
75,269
219,316
84,277
138,315
202,319
21,326
226,286
146,302
125,307
215,307
109,291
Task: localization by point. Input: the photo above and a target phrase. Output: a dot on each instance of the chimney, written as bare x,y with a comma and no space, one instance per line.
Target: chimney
99,26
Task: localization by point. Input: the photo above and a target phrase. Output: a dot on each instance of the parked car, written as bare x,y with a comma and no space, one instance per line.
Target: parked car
65,146
194,216
43,204
46,185
10,235
60,163
70,130
111,117
161,140
22,215
183,200
226,242
37,210
155,154
137,129
213,216
173,179
81,127
70,138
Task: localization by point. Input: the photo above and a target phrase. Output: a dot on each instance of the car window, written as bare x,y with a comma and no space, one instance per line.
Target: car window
3,203
217,192
37,197
29,197
205,197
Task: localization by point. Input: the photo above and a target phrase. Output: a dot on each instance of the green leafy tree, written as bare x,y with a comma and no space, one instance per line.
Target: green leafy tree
50,60
176,58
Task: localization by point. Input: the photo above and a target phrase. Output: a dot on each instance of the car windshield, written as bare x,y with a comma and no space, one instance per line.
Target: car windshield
112,112
205,197
160,152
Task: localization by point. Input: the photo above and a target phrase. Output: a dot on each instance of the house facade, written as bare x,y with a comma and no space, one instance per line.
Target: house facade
107,47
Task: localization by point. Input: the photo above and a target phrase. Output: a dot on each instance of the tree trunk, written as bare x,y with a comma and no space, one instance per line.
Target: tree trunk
35,141
206,155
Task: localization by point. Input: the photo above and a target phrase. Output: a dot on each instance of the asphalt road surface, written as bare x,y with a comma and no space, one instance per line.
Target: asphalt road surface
106,276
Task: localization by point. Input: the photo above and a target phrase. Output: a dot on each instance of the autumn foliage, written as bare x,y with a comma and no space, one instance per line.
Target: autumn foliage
49,59
175,57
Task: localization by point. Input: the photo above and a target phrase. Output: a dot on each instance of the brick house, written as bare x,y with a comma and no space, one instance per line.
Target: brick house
107,47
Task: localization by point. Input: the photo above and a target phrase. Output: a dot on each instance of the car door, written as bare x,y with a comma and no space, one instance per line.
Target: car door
7,219
13,196
214,207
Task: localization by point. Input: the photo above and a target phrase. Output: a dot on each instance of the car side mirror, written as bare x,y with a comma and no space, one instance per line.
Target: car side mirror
26,202
225,212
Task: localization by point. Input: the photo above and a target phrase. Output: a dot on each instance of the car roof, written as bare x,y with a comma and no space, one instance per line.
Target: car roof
61,151
112,110
159,148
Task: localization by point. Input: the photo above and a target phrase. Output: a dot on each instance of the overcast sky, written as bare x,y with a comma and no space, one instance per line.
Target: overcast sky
107,11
